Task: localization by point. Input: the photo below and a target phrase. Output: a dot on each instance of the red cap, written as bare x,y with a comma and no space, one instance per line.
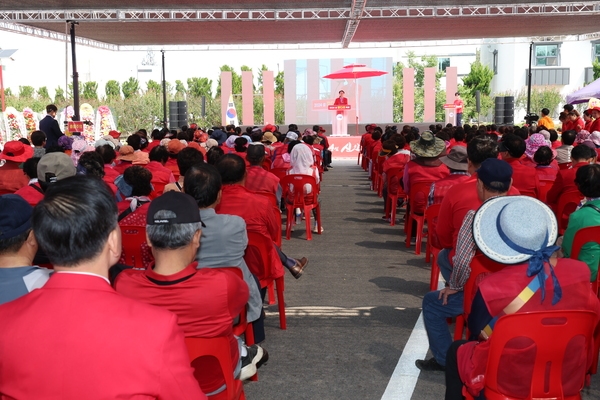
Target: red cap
114,134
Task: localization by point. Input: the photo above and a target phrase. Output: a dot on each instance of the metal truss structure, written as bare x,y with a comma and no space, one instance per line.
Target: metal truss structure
357,12
46,34
20,21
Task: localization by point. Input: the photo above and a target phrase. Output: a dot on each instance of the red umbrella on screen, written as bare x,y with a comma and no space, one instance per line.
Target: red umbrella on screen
355,71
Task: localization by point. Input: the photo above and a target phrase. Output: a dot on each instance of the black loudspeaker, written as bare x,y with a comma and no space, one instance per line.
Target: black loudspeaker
509,110
183,114
499,110
178,115
173,115
478,101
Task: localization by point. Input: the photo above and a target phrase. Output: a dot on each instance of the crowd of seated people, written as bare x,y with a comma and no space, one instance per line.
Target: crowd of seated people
494,176
196,197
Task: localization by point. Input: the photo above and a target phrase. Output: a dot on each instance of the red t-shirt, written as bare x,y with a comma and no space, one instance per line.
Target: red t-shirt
31,194
525,178
257,180
565,182
206,301
161,176
416,173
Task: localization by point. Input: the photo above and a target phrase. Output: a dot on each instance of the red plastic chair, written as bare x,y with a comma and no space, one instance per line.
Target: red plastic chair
391,201
567,203
545,186
279,172
298,199
218,348
259,262
417,190
135,249
431,252
583,236
564,166
481,266
551,331
377,181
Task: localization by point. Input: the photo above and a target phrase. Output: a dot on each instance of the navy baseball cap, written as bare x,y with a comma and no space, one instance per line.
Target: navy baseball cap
495,174
15,216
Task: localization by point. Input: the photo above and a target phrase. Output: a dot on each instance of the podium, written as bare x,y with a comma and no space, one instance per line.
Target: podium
450,109
339,124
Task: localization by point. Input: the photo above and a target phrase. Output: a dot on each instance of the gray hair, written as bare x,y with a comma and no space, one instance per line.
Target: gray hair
172,236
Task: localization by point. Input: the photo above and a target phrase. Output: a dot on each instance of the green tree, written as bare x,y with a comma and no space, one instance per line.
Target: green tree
26,92
279,83
198,87
112,89
596,68
59,95
260,76
130,87
397,92
90,90
179,90
479,78
7,92
153,87
42,93
541,97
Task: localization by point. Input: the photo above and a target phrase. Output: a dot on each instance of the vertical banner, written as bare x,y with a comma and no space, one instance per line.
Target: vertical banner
408,95
429,115
226,89
231,112
268,97
247,98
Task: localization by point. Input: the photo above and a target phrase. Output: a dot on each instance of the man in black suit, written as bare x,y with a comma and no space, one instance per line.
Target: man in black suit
49,125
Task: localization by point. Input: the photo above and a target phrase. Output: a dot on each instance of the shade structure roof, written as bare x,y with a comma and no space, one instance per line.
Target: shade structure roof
347,22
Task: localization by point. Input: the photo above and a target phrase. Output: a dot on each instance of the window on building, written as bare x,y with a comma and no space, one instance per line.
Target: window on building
547,55
495,62
596,52
443,63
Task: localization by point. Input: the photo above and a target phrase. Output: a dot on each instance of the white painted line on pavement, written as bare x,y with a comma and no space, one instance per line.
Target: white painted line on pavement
406,374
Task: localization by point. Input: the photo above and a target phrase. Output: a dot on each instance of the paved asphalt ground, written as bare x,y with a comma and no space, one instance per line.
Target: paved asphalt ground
350,315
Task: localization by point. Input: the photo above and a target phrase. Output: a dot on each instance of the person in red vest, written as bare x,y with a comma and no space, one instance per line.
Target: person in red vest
595,112
33,192
519,232
255,209
525,179
494,179
426,167
458,108
457,164
565,180
257,178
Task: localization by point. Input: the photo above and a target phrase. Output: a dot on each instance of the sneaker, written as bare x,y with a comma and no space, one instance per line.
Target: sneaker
256,357
316,229
429,365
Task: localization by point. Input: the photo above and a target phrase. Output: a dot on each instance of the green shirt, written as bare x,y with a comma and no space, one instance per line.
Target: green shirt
590,252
